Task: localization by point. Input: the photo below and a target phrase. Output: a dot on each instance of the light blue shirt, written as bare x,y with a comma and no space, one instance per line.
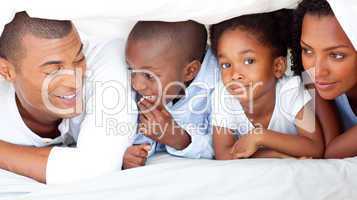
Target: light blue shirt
346,112
193,114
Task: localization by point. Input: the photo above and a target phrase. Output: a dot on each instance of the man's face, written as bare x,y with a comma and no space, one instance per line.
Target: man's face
49,77
157,73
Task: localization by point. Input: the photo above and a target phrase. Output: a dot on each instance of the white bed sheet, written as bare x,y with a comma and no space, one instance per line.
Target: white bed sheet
167,177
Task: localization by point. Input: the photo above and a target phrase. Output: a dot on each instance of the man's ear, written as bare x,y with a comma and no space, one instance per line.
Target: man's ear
279,66
191,70
7,70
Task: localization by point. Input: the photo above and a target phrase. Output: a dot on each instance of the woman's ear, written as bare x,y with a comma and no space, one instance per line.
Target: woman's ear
279,66
191,70
7,70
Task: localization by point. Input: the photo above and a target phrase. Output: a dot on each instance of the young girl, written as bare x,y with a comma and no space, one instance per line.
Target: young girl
271,114
322,48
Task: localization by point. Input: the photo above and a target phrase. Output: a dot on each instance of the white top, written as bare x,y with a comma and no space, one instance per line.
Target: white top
347,115
291,97
103,131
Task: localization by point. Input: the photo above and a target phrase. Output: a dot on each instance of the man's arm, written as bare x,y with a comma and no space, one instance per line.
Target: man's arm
25,161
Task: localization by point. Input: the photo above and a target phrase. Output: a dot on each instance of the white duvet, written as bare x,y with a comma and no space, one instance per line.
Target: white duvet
167,177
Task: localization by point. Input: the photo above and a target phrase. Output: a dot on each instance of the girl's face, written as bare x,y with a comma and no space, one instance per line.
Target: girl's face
246,64
328,56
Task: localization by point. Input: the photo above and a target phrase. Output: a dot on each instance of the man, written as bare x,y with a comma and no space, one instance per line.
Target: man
48,83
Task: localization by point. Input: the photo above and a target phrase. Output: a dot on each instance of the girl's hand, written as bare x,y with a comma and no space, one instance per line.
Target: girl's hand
245,146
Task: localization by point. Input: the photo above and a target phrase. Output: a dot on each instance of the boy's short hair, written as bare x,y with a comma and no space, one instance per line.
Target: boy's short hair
188,37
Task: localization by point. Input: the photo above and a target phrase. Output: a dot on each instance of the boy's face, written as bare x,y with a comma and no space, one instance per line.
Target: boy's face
328,55
156,70
246,64
49,77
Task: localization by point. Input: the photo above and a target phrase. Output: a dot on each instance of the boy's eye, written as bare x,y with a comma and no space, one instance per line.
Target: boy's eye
225,65
248,61
337,56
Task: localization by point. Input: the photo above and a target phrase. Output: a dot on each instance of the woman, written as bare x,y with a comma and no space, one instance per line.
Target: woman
324,51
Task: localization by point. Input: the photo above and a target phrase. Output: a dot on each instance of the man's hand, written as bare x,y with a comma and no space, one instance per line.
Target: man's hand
136,156
246,146
158,124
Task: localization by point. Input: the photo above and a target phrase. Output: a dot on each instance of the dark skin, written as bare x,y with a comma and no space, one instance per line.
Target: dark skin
164,79
44,58
332,60
244,60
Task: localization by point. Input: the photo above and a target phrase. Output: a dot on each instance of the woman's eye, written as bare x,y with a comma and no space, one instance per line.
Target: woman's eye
337,56
248,61
306,51
226,65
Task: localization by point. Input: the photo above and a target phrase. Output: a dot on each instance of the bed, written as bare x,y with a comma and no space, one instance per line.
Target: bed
168,177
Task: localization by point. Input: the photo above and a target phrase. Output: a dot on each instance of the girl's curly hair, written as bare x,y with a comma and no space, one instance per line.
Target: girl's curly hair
272,29
311,7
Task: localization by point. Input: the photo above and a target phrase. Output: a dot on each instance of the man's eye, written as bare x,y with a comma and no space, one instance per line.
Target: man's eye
53,71
225,65
248,61
337,56
80,60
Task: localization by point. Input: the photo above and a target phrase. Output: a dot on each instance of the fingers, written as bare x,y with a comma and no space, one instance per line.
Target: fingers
136,156
153,113
145,110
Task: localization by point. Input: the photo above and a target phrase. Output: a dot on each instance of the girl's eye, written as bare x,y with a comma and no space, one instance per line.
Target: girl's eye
149,76
226,65
248,61
306,51
337,56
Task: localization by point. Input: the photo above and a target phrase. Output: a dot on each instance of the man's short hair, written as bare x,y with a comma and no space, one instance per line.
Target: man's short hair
11,38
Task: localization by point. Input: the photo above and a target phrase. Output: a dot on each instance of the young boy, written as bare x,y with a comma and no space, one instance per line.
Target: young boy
175,75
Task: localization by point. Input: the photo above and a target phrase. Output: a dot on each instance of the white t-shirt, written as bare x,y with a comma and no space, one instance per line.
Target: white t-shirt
102,132
291,97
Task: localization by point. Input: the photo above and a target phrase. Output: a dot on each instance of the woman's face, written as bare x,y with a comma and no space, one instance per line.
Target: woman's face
328,56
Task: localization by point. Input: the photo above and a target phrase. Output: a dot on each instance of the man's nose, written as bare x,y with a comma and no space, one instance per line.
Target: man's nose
72,78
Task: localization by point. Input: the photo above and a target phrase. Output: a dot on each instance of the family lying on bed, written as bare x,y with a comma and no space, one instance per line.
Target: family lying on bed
231,100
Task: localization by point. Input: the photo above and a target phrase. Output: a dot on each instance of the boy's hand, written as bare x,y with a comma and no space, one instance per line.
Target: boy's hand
136,156
245,146
155,122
